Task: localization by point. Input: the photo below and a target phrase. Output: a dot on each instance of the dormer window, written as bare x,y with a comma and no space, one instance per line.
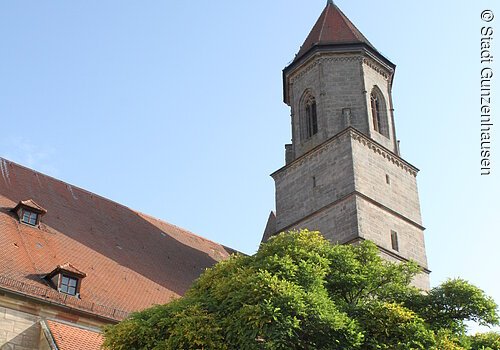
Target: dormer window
66,279
29,212
29,218
68,285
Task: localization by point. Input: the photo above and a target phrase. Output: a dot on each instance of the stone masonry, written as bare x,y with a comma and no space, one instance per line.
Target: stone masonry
352,188
18,330
342,85
347,179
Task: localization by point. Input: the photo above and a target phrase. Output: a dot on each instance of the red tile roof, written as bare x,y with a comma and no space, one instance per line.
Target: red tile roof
131,260
68,337
332,28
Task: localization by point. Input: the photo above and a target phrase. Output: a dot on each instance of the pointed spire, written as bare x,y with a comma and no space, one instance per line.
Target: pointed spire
332,28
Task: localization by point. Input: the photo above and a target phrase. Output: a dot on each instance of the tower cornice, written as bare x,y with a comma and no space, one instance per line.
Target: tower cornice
357,136
344,47
335,54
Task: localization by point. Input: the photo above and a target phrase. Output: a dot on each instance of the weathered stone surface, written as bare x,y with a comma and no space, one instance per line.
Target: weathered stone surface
18,330
348,180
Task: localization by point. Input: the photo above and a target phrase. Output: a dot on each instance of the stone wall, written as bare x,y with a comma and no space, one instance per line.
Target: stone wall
20,321
341,84
350,187
375,75
18,330
337,223
386,178
347,180
335,80
376,225
318,179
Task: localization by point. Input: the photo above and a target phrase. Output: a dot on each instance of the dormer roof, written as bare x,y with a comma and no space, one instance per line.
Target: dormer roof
68,268
31,204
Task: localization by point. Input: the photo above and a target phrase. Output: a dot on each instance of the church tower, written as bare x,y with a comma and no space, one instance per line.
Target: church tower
344,175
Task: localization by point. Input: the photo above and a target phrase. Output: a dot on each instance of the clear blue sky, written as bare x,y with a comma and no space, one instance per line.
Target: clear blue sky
174,108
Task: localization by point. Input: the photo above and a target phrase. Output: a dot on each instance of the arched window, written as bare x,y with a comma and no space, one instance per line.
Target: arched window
310,117
379,112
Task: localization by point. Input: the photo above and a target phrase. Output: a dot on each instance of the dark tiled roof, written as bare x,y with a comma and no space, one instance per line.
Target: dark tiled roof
68,337
332,28
131,260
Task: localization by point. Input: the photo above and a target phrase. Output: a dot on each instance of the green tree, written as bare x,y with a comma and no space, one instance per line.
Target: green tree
485,341
301,292
456,301
390,326
447,340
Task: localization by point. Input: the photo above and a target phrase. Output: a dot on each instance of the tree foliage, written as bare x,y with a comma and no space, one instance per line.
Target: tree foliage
485,341
301,292
450,304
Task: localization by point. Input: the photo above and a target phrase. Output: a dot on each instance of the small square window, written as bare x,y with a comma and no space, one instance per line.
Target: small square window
68,285
29,217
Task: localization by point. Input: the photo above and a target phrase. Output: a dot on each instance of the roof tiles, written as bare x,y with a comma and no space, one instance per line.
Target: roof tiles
69,337
131,260
332,28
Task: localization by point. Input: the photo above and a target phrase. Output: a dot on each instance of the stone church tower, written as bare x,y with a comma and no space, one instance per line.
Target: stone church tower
344,175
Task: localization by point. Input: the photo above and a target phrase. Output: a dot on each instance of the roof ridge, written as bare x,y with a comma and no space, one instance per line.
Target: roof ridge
112,201
67,184
64,182
324,19
71,324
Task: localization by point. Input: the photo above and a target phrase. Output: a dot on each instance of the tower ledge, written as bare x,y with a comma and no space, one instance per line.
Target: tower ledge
361,138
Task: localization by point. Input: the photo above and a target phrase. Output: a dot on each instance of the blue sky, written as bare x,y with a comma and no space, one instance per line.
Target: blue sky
174,108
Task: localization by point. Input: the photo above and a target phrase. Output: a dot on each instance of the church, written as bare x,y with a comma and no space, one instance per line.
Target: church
72,261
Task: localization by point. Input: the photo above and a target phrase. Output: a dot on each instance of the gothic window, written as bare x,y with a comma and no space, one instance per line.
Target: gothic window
379,112
309,117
